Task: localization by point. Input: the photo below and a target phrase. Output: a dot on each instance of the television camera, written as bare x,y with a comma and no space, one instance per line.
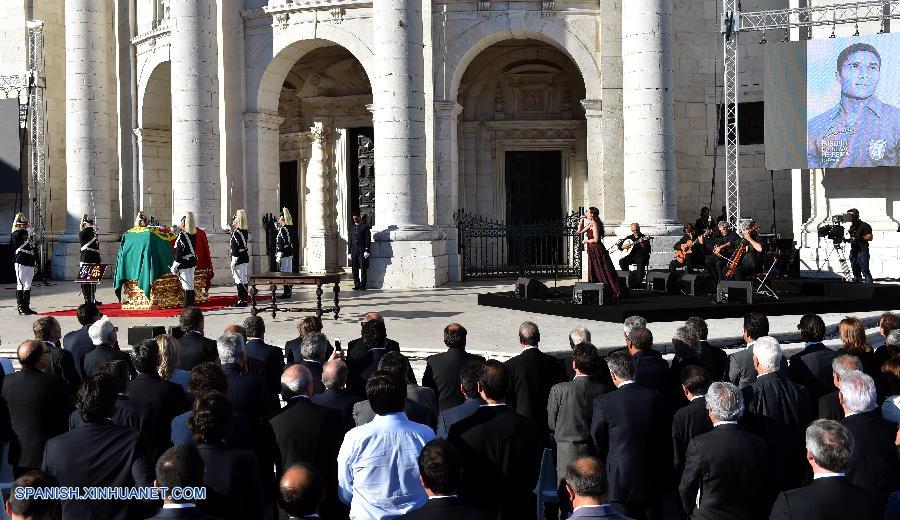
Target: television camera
834,231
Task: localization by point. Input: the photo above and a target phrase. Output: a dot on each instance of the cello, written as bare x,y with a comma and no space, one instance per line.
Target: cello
740,252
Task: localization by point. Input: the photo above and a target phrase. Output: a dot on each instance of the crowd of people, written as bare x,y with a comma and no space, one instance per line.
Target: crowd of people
310,431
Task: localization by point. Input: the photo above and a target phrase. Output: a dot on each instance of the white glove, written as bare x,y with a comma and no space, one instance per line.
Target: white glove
277,258
366,255
174,268
233,261
349,257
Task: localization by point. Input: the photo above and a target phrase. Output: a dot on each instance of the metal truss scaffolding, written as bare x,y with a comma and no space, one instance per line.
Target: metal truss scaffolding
734,23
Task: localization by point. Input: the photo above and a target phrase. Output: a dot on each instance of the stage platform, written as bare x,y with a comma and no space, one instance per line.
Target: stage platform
796,296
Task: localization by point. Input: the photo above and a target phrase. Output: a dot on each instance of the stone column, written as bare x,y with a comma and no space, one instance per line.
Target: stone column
195,112
446,179
595,192
262,176
408,252
321,251
88,134
649,116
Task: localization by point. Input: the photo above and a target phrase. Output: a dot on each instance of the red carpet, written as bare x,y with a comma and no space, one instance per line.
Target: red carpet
114,310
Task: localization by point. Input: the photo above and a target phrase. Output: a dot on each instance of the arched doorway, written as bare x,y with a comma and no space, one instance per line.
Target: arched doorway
154,138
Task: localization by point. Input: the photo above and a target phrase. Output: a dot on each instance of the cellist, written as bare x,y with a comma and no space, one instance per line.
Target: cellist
747,258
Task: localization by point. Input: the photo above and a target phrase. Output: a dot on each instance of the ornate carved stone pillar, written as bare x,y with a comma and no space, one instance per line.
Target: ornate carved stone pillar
321,245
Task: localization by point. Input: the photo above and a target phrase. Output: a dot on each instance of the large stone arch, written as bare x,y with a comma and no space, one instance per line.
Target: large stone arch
154,141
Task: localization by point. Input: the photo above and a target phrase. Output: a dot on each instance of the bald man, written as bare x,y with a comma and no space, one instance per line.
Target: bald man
307,432
300,492
336,396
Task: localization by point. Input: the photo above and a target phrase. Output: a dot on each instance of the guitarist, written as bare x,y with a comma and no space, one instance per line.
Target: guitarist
637,246
688,254
719,249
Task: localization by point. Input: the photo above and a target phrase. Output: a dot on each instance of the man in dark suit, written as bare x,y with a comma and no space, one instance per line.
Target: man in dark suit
315,349
778,410
78,342
99,453
442,370
194,348
388,343
105,337
569,409
693,419
247,392
532,374
440,470
886,324
62,363
306,432
180,466
263,360
364,354
336,396
630,434
712,358
740,364
420,407
873,463
831,495
686,345
468,386
163,399
500,451
650,369
811,367
587,490
830,403
358,254
725,470
23,506
34,407
127,412
300,492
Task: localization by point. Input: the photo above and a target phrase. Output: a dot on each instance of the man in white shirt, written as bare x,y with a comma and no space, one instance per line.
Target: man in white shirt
378,472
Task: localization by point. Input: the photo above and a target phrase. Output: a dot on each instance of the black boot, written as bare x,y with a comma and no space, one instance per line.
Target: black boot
19,301
188,299
287,292
26,303
242,296
94,295
86,292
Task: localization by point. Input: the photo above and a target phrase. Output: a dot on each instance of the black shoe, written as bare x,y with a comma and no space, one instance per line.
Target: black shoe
240,303
26,303
355,287
19,302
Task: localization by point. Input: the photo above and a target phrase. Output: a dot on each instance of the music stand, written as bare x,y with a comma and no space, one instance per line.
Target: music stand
91,274
763,278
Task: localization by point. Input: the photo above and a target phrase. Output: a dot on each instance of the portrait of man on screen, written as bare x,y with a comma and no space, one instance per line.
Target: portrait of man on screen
861,130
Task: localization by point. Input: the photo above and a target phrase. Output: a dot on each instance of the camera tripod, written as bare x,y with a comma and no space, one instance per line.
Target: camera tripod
836,247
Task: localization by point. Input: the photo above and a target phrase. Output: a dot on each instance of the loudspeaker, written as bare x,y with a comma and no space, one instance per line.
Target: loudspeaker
657,280
521,287
734,292
531,289
588,293
693,284
138,334
624,278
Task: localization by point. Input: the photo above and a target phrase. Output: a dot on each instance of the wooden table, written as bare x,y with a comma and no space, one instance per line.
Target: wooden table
273,280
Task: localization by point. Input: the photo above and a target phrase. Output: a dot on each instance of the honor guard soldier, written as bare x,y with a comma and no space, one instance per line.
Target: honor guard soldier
284,249
90,254
240,255
186,257
140,221
24,263
360,241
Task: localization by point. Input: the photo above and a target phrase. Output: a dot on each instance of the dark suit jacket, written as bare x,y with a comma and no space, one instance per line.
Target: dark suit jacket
194,348
446,508
689,422
830,406
79,343
714,360
268,362
674,392
248,393
306,432
650,370
180,514
340,400
779,410
811,367
630,434
532,374
127,413
315,368
604,511
103,353
829,498
569,410
233,485
163,400
292,351
363,362
34,407
62,367
727,466
451,416
442,376
501,455
99,454
873,463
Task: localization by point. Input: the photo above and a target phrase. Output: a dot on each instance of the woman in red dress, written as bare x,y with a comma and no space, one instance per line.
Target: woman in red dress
600,266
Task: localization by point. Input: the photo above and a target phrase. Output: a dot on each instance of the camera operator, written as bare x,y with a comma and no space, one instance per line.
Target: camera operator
860,236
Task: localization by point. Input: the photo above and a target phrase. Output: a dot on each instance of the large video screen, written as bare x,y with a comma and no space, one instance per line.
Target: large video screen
833,103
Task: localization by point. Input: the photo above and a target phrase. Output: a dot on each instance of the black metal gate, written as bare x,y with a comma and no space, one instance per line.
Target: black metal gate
494,249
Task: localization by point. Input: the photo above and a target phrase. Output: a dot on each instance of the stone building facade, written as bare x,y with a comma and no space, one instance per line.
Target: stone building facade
211,106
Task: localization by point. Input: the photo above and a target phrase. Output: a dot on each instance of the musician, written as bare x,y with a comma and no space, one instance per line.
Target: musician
860,236
748,254
284,248
24,258
704,222
240,255
186,257
688,253
718,249
638,246
90,254
723,217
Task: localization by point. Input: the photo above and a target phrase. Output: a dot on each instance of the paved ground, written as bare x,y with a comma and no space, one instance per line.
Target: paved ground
414,318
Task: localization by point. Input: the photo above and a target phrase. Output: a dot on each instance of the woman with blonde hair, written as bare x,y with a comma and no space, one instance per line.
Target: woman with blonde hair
168,361
853,336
